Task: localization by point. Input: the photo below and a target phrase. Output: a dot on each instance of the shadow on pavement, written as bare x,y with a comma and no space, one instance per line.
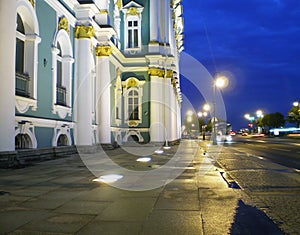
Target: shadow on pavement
250,220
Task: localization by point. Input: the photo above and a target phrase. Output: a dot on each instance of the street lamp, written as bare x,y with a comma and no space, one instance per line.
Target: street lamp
297,104
259,115
220,82
203,114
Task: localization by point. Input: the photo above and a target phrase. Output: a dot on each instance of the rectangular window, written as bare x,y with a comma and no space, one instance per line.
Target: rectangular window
133,109
133,34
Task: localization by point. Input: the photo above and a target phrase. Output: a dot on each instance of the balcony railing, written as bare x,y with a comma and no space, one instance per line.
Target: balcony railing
61,95
22,84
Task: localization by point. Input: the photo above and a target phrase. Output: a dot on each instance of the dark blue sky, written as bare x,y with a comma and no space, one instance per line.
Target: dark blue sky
256,43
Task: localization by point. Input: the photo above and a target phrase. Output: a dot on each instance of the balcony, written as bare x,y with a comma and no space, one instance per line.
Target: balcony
22,85
61,96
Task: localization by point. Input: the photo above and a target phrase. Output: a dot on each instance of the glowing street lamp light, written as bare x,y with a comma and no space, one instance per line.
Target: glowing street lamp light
296,104
206,107
247,116
189,113
259,114
220,82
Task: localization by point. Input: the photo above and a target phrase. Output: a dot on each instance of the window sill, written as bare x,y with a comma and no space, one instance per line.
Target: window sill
24,103
62,111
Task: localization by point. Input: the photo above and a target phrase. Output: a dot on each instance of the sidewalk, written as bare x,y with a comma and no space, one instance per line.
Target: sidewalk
60,197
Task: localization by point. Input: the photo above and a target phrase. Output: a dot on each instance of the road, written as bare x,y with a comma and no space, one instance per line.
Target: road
278,150
268,171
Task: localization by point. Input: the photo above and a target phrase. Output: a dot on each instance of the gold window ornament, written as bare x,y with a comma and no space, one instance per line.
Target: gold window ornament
63,23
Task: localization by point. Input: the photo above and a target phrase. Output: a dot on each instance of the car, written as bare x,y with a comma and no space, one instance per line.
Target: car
255,135
244,134
232,133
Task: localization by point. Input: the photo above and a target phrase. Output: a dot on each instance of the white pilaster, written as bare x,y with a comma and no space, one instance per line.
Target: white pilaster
7,74
103,94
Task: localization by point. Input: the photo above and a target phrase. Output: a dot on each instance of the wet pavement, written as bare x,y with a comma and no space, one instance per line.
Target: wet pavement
60,197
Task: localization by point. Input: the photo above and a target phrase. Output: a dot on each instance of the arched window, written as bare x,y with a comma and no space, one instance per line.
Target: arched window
20,45
27,41
62,60
22,78
133,93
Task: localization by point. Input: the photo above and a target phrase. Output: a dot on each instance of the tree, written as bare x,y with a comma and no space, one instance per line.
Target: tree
294,115
273,120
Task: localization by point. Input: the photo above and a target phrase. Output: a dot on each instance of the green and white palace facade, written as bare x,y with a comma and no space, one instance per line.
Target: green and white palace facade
89,72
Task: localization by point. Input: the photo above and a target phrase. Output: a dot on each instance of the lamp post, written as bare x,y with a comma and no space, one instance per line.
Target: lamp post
297,104
259,115
203,114
253,119
219,81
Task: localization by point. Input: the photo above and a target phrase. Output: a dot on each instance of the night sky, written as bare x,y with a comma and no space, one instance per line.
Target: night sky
255,43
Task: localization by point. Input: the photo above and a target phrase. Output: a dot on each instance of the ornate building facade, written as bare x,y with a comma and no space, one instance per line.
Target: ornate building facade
86,72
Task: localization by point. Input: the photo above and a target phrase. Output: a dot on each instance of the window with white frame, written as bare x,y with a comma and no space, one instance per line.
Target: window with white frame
26,54
133,26
133,33
133,93
62,60
24,81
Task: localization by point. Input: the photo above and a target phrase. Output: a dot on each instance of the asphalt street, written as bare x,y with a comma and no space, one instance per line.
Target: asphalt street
283,151
267,170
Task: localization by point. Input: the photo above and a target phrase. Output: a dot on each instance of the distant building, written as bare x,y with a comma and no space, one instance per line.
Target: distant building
89,72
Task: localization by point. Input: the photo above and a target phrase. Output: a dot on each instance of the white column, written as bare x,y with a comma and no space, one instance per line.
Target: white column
83,87
157,128
103,94
7,74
